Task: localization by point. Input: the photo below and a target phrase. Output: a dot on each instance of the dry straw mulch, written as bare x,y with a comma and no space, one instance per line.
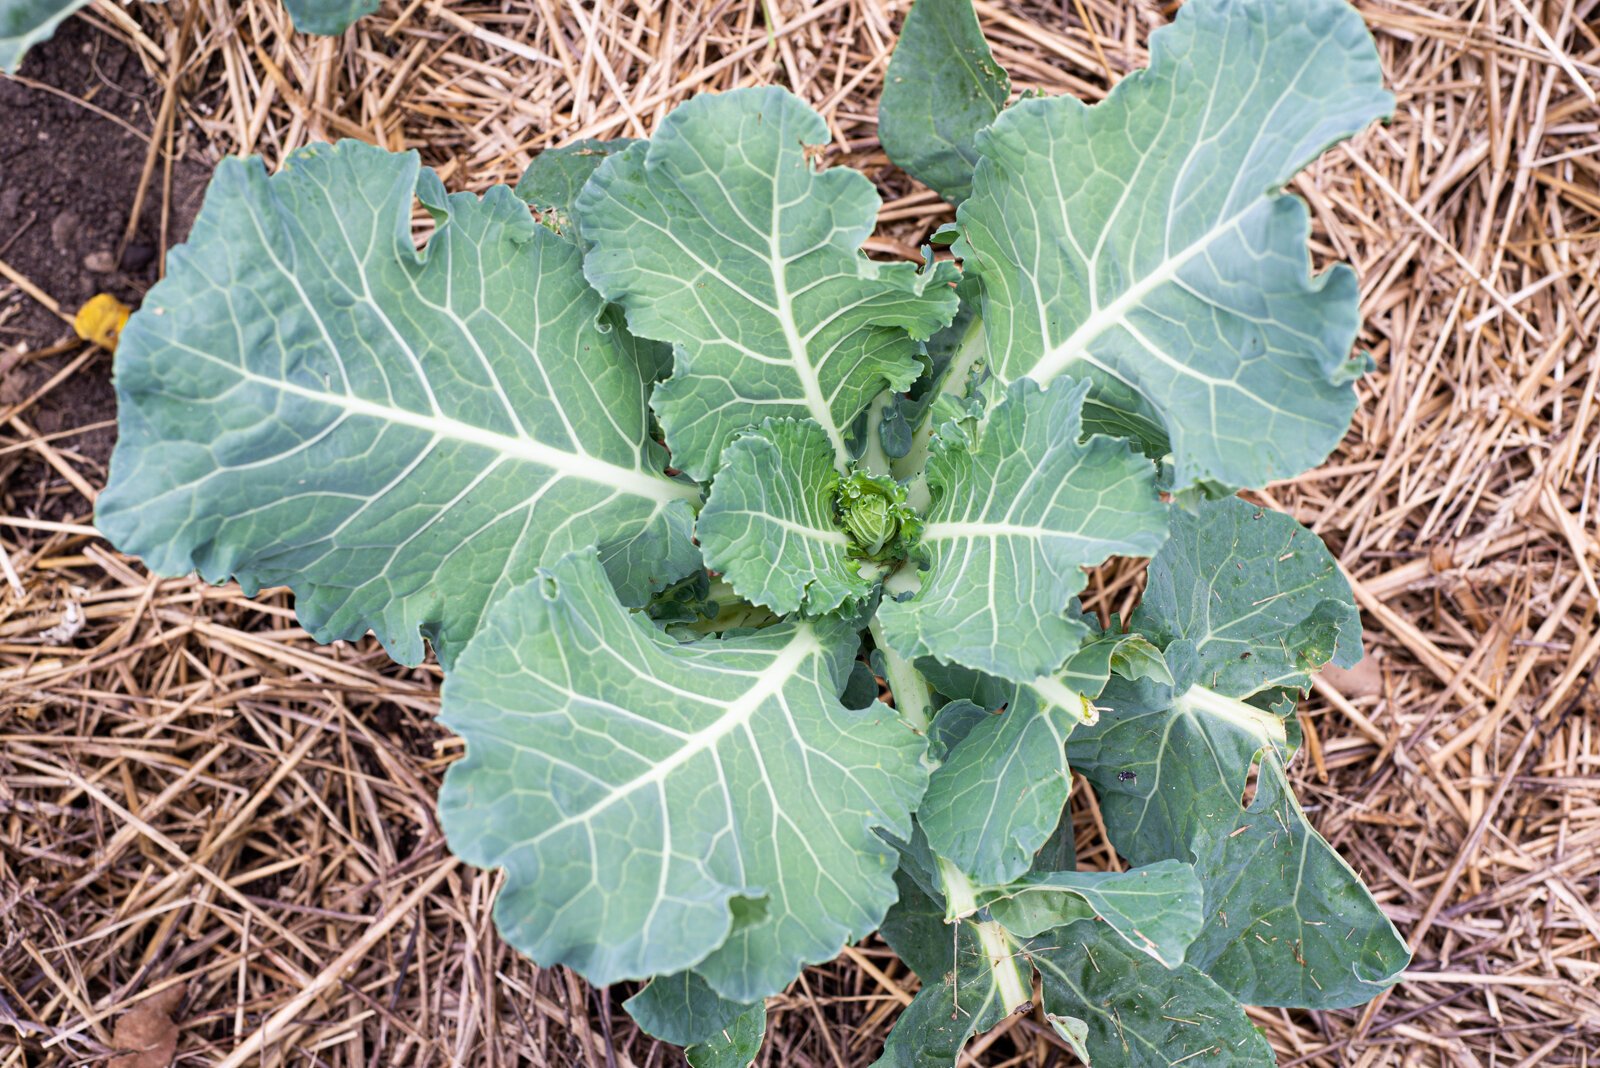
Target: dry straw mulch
194,793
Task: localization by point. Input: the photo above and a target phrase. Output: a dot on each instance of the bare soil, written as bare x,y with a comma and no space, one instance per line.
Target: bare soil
69,176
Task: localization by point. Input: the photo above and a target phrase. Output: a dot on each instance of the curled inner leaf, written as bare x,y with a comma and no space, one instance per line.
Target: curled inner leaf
873,511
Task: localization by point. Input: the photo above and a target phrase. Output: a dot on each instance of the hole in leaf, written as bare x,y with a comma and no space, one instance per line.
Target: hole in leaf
1251,783
747,910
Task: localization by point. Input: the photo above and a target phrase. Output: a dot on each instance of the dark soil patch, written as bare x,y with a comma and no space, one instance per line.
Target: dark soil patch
68,179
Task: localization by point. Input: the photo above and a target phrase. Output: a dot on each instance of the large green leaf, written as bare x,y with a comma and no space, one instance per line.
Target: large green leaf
1289,922
24,23
1144,243
399,436
1126,1009
1245,600
999,792
327,17
1257,595
1089,970
943,86
1171,767
659,806
1016,516
768,524
1156,909
721,237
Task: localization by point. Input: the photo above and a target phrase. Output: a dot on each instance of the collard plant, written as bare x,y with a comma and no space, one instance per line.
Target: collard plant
669,474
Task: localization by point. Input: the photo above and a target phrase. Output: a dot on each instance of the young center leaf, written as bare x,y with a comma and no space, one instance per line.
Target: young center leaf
943,86
769,526
659,806
1145,244
1016,516
722,237
307,400
1245,601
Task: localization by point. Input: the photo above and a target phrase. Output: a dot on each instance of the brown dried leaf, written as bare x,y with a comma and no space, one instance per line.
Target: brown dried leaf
147,1032
1363,680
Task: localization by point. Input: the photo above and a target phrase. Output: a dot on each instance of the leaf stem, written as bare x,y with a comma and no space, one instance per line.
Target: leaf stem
968,352
913,698
1262,724
961,902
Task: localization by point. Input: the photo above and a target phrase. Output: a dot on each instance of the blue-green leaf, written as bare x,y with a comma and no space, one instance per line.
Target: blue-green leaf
735,1046
1129,1010
327,17
659,806
959,996
307,400
768,524
1156,909
1000,790
1245,600
1258,595
1145,244
1016,516
683,1009
943,86
1082,677
722,237
24,23
555,177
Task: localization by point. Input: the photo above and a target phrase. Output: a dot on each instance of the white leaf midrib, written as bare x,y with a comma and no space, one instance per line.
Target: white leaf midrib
799,356
983,530
736,715
562,463
1059,357
803,530
1203,701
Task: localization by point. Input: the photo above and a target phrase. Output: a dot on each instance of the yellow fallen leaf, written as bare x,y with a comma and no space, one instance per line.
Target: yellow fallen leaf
101,319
